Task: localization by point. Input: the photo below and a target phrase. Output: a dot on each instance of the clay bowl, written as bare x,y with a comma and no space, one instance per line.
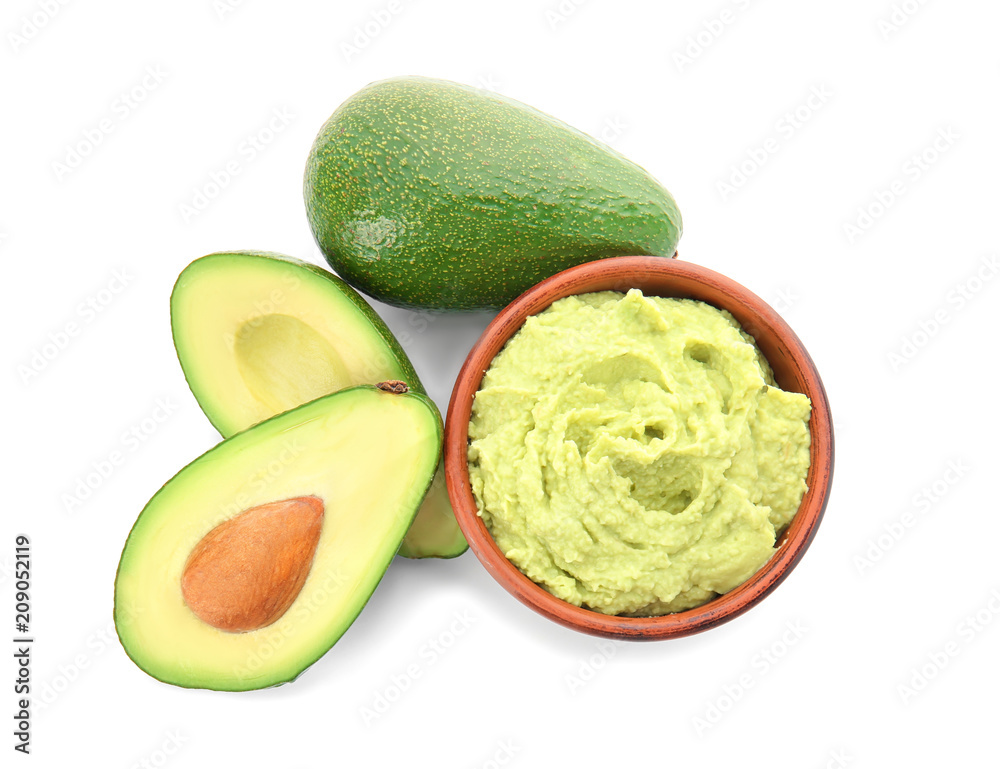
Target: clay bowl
793,370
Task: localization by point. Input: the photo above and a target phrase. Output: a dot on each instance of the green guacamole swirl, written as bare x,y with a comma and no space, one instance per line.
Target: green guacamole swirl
633,455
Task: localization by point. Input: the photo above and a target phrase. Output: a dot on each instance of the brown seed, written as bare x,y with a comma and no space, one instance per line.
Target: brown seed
246,572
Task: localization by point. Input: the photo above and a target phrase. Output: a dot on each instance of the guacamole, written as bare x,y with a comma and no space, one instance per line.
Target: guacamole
633,455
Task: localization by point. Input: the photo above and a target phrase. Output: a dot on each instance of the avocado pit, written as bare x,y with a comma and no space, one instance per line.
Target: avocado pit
247,571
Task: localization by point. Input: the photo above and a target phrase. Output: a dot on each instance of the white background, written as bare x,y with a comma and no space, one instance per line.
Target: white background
906,557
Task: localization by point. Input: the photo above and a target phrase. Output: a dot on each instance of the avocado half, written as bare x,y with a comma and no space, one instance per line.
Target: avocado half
258,333
351,468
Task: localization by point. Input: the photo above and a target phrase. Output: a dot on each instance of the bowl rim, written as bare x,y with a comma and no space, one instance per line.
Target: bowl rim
625,272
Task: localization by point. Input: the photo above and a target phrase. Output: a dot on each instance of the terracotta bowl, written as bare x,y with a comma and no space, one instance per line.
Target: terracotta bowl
793,370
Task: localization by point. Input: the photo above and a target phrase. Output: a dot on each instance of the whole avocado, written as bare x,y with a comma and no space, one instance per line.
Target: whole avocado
428,193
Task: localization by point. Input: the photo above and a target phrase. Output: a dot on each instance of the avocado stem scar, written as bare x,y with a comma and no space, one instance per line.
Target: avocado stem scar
395,386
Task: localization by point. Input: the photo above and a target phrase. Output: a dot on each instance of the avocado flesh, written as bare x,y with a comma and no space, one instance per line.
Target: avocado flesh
434,533
259,333
368,455
428,193
285,363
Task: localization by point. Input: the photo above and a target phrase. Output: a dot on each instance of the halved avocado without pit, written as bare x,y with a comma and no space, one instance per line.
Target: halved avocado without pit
258,333
250,563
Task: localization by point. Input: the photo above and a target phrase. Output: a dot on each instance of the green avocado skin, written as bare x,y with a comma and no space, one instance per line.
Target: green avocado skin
428,193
